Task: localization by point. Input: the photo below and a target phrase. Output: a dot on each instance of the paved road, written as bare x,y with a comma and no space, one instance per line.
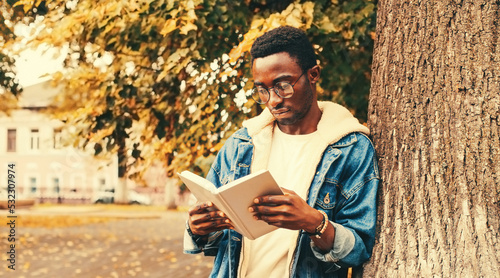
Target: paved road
137,245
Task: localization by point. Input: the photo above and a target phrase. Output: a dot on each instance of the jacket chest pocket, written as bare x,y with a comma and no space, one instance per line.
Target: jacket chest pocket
327,196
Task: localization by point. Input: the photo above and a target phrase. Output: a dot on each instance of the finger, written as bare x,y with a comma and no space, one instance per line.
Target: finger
283,212
202,207
220,221
273,200
266,209
211,226
198,208
207,217
275,220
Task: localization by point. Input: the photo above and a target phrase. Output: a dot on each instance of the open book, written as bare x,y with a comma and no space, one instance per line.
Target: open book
235,198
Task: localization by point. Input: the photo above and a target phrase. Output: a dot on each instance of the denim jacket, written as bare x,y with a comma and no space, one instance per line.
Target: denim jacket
344,186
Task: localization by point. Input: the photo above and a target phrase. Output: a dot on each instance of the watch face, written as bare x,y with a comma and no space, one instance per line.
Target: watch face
318,229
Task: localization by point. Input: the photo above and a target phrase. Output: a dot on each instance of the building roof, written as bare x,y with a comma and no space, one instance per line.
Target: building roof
38,95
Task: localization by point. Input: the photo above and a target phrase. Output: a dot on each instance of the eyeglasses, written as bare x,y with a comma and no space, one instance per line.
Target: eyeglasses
283,89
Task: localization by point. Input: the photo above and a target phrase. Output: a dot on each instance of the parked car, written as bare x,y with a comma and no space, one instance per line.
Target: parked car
107,196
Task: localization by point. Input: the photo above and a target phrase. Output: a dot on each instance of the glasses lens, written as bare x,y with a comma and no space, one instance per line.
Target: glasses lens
285,89
260,95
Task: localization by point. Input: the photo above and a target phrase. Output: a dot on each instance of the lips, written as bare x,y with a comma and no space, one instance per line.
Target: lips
279,112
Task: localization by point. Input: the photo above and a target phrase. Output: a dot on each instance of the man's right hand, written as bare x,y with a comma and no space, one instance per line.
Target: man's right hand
205,218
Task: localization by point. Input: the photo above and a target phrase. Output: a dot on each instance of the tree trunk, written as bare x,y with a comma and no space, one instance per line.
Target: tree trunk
170,192
121,191
435,121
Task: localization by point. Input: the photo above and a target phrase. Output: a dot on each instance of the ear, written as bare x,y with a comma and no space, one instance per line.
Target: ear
314,73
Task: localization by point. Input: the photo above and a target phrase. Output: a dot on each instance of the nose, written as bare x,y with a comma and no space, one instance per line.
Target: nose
274,99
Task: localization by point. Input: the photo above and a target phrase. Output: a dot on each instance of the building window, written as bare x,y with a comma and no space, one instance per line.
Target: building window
55,185
11,140
57,138
35,139
33,184
102,183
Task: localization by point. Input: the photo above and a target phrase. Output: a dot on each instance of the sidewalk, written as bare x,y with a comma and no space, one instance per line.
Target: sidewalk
138,242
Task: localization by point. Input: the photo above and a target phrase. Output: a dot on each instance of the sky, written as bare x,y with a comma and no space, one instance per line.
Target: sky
32,65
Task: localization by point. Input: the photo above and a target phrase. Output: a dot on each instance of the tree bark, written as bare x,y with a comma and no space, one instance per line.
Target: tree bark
121,190
434,114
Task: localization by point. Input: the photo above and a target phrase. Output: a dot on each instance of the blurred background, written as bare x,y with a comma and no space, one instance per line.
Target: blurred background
102,102
99,241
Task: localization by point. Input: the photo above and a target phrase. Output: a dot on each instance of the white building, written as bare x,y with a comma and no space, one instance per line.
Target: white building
44,169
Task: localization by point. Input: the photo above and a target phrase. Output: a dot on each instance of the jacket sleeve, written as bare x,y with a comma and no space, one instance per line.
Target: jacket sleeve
354,235
355,216
209,244
194,244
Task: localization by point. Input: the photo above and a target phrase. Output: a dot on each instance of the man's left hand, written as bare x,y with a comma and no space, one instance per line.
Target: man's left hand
288,211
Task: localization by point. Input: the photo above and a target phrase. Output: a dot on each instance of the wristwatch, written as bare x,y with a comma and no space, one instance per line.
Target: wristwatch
321,227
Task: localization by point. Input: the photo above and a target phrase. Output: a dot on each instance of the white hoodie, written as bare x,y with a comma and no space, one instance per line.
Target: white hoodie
335,123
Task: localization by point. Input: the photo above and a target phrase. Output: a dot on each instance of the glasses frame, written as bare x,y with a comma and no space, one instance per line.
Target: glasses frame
276,91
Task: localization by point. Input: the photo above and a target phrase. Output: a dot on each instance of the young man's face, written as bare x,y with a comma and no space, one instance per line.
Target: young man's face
269,70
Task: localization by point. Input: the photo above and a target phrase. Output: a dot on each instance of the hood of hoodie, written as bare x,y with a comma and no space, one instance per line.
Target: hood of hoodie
335,123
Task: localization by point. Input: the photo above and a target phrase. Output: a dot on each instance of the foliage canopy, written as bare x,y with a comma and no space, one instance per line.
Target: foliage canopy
168,79
9,87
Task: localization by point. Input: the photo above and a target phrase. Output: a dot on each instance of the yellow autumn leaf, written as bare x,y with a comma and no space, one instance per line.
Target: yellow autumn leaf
57,76
292,15
348,34
102,133
286,12
27,5
191,16
188,27
201,150
294,20
244,45
329,26
297,15
169,26
308,11
133,6
218,146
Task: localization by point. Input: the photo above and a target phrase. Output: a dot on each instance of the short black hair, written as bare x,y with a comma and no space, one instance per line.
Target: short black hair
285,39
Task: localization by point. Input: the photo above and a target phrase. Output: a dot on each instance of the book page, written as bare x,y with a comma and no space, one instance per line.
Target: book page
201,188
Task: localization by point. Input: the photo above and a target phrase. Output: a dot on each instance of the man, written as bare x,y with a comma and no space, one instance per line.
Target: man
317,152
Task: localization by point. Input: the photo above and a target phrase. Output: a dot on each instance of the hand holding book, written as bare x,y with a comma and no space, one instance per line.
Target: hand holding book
234,199
205,218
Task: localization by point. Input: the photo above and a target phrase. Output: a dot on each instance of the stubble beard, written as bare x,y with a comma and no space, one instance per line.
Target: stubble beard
299,115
